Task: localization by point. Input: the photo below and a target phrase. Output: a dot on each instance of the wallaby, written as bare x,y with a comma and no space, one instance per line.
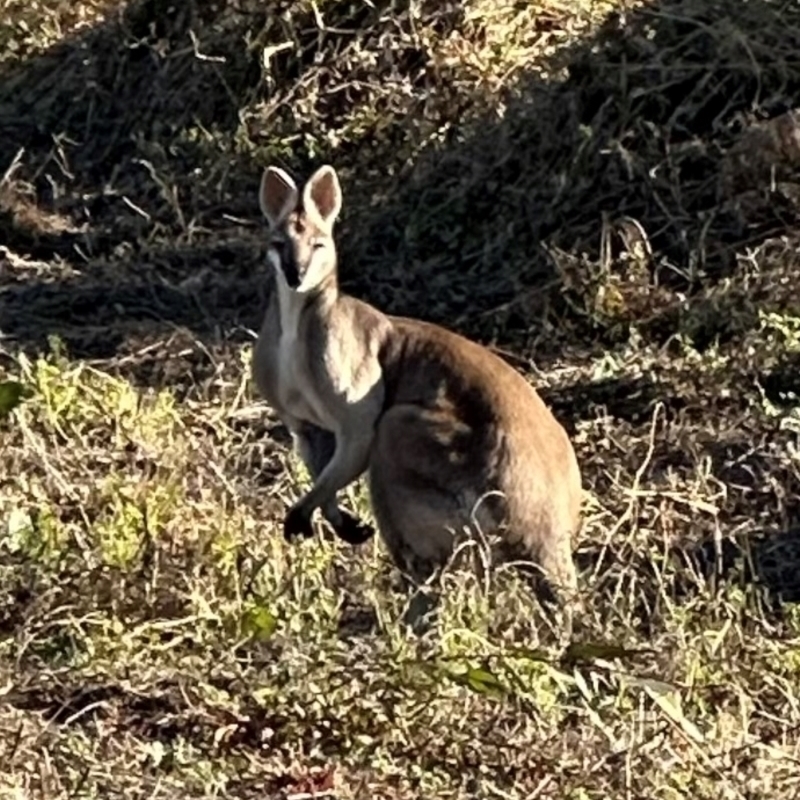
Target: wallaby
436,421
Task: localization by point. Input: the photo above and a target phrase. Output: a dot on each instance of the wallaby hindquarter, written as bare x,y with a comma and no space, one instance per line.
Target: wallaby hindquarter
461,423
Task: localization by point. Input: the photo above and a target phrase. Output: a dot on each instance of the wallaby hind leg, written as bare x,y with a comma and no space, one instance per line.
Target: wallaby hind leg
418,519
550,575
551,570
316,447
396,511
562,578
419,500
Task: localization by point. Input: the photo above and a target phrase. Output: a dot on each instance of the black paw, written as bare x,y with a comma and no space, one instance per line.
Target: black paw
352,530
297,525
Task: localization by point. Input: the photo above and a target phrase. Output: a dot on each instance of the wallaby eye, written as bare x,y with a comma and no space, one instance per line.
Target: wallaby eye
318,245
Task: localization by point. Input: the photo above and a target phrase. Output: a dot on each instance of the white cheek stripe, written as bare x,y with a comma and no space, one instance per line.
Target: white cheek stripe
289,302
274,259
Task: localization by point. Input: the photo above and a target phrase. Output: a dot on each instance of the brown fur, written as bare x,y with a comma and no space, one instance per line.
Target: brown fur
436,420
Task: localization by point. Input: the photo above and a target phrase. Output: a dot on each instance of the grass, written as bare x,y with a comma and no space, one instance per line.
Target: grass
604,192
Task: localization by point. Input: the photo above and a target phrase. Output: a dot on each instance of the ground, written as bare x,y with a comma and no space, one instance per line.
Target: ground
606,193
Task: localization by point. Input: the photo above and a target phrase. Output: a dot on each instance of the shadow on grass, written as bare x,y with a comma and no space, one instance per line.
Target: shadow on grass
761,564
714,510
144,138
559,212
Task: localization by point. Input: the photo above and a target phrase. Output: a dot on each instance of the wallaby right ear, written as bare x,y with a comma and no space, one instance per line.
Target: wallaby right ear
277,196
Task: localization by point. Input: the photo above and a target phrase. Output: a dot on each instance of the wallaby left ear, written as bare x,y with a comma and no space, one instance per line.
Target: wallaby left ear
277,195
322,195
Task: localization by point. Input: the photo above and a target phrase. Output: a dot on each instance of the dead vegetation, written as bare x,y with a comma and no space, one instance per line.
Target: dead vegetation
607,192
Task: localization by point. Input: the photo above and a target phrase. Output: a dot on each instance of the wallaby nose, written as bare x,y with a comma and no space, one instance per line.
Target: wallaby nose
291,274
289,268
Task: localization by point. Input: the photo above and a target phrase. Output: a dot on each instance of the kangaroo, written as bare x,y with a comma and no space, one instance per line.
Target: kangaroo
438,422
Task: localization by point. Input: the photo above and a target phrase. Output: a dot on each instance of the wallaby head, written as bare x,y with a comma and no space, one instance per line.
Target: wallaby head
301,246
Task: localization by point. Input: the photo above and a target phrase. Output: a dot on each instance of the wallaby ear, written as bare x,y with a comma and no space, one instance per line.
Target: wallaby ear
323,194
277,196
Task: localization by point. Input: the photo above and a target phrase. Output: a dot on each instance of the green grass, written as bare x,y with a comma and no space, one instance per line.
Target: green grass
157,636
153,613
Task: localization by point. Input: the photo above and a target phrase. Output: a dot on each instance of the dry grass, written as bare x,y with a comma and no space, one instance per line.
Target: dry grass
605,191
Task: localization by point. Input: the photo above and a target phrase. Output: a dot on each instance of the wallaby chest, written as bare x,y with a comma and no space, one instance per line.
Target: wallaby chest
297,390
315,363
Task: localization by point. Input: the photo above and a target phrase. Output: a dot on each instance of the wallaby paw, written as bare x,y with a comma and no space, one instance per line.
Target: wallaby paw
352,530
297,525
